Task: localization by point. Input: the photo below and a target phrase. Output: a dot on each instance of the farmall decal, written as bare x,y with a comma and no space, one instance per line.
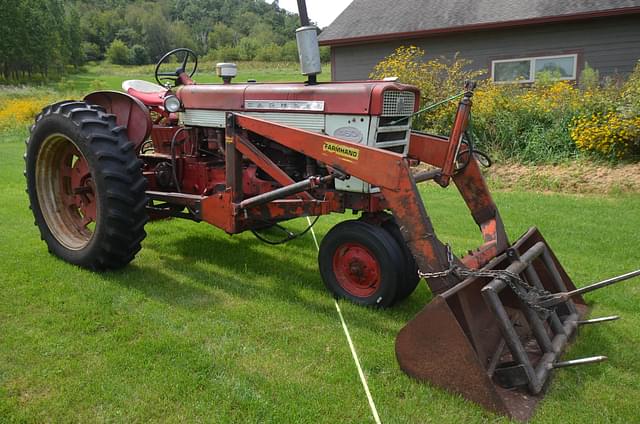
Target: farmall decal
340,150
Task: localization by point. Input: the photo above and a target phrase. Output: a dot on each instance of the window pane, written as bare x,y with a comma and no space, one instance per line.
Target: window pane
512,71
558,66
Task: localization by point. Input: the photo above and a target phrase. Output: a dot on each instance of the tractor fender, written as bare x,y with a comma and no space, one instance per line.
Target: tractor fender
130,113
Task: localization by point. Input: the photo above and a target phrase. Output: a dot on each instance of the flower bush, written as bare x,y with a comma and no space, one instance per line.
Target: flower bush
19,111
19,106
610,135
547,121
435,78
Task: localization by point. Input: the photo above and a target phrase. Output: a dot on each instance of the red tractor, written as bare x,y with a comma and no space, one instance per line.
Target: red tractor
246,156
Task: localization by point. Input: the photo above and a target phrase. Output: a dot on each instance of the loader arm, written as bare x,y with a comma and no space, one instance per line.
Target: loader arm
443,154
387,170
473,188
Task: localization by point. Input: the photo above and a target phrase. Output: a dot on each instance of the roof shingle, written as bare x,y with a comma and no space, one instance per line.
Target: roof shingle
367,18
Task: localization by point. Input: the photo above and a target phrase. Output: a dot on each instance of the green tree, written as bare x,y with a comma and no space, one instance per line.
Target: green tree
118,53
248,48
91,51
138,55
222,35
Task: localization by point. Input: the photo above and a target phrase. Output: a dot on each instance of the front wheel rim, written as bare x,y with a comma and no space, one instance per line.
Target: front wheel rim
356,269
66,192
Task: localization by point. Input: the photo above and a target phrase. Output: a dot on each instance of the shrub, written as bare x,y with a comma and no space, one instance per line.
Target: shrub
547,121
290,51
223,54
248,48
612,129
118,53
270,52
91,51
436,78
610,135
138,55
19,112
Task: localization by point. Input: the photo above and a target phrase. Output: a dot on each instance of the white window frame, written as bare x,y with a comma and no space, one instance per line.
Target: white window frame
532,67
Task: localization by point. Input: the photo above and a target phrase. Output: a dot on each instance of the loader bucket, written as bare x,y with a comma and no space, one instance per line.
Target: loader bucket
480,340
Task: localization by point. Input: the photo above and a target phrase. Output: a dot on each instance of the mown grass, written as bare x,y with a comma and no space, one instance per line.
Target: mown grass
108,76
204,327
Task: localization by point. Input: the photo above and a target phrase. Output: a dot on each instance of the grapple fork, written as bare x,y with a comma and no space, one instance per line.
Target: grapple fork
481,340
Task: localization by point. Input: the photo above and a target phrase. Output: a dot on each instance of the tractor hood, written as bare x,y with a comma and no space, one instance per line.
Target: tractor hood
334,98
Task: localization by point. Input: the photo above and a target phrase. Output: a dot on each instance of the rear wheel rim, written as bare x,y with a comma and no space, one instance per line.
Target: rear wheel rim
66,192
356,269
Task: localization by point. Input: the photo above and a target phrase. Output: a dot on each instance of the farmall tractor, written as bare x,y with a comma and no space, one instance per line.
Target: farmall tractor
247,156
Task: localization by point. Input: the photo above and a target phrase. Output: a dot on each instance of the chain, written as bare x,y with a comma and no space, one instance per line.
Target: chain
528,294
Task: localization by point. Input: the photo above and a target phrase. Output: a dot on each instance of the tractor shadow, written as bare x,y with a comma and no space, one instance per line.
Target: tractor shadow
245,268
161,285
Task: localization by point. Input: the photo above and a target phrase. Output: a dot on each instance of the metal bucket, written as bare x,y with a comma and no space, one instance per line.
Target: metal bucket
481,340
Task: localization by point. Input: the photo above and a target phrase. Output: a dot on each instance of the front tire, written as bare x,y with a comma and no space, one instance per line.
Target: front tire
360,262
85,186
409,278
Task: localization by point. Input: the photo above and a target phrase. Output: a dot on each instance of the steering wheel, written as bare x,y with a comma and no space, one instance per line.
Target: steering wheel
174,77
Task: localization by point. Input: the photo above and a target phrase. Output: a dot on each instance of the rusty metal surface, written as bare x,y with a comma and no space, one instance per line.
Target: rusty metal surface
379,167
455,342
433,347
130,113
251,152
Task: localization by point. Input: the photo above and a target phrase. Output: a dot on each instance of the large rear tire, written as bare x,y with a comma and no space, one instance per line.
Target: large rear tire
360,262
85,186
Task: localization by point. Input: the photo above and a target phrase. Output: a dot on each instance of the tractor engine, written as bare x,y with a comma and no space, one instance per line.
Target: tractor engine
187,153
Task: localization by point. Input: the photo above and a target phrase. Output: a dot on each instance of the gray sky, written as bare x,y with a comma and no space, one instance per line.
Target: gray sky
321,11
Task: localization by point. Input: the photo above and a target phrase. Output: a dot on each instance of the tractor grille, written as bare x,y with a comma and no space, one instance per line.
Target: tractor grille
398,103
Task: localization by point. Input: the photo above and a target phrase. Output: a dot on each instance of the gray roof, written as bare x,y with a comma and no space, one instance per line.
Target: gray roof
370,18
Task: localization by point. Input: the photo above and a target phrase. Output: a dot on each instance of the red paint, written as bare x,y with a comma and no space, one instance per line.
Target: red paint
354,98
382,167
356,269
150,99
130,112
77,185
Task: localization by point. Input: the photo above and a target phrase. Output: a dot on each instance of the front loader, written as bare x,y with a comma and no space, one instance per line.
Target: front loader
248,156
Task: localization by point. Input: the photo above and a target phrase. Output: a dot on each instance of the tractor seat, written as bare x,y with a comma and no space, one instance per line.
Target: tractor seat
147,92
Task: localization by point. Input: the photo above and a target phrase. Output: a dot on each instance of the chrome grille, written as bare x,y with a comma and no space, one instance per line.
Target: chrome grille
398,103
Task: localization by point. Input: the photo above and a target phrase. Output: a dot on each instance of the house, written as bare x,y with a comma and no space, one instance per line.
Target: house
512,39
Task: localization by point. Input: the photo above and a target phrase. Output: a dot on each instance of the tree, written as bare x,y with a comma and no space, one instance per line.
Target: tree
91,51
221,35
138,55
248,48
118,53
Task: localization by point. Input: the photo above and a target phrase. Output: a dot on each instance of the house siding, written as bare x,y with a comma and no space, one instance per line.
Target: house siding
610,45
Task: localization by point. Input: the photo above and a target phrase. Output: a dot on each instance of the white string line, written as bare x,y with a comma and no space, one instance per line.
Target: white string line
363,379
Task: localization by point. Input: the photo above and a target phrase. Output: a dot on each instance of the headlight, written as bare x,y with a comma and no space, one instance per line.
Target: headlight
172,104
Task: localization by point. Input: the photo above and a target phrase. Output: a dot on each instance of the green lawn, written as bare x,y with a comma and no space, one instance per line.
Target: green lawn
108,76
204,327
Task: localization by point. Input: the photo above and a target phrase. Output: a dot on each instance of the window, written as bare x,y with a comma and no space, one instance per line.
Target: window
525,69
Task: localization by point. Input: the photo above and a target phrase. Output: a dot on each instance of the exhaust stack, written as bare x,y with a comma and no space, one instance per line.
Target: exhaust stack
308,47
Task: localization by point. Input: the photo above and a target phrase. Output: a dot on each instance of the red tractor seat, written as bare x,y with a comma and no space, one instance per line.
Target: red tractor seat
147,92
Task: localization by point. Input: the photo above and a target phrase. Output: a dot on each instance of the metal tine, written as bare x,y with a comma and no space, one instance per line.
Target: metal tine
599,320
581,361
557,298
